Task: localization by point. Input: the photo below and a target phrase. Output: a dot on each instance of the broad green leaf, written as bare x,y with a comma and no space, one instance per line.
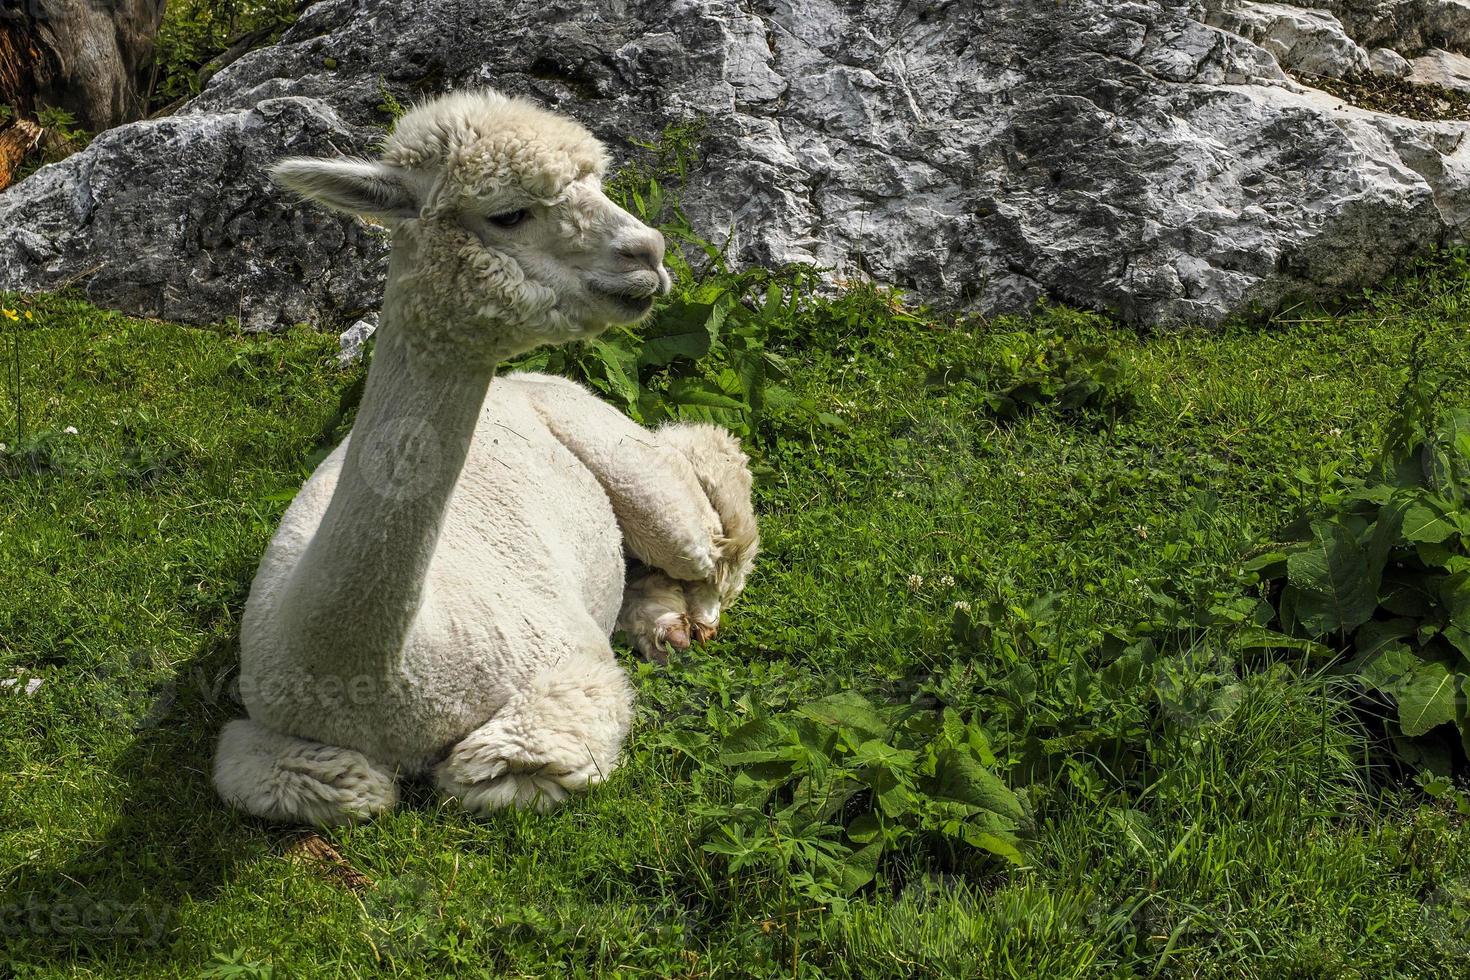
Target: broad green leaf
894,798
865,828
1427,698
617,369
696,391
850,711
1423,522
960,777
1387,535
1268,566
877,753
758,734
858,868
1460,638
1435,555
1260,638
1388,668
1405,592
1137,829
996,844
695,745
1454,595
1331,571
682,330
1373,636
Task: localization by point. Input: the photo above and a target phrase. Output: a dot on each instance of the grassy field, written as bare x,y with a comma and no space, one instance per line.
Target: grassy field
1213,815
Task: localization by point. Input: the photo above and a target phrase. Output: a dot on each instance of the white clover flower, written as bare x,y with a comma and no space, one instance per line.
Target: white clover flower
70,430
916,582
947,581
962,606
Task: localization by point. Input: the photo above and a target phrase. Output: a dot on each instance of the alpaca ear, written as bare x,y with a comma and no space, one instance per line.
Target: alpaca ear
363,187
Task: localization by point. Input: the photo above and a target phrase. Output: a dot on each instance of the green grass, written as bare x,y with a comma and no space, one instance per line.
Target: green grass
1275,840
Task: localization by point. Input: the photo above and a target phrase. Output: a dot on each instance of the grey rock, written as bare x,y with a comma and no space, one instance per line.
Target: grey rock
1389,63
1409,27
1310,42
353,340
1127,156
1443,68
175,218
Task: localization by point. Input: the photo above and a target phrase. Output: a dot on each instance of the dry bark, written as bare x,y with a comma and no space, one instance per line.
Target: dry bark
17,139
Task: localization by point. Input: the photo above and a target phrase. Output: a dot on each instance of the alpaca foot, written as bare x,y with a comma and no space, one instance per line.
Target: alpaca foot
661,612
702,599
560,735
294,780
655,615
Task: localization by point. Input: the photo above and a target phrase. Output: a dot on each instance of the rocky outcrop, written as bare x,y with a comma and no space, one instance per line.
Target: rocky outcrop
1309,41
1149,158
1443,68
1410,27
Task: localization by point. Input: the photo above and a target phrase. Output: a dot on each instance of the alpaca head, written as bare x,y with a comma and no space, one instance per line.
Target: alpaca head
514,244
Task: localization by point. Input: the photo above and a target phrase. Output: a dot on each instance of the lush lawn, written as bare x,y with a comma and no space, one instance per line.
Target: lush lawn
1258,829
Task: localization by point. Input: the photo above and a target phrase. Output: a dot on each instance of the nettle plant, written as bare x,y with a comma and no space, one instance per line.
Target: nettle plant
1380,571
827,795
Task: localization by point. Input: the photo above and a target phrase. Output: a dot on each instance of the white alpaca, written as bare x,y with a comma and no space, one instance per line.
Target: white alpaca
440,594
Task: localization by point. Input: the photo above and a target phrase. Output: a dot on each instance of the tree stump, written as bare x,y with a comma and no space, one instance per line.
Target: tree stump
83,56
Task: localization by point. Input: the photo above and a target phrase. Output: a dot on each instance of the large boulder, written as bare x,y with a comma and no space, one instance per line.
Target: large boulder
1139,157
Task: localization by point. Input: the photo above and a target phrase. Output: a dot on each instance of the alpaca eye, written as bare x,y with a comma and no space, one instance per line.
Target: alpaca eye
509,219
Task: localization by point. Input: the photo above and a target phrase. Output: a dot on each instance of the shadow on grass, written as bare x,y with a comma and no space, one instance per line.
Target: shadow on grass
116,900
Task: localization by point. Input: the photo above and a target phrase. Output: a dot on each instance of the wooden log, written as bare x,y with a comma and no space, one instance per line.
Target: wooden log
16,140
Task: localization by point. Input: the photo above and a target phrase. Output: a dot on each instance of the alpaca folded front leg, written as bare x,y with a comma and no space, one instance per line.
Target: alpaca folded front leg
560,734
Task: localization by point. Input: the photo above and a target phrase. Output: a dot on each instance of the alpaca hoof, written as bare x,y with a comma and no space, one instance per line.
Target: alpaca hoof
672,632
675,634
703,632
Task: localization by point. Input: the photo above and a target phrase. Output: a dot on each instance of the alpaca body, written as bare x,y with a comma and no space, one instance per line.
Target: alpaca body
529,562
440,593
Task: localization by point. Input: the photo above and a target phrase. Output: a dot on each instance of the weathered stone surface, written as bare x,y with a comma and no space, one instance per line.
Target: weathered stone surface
1120,154
1440,67
175,218
1388,62
1311,42
1409,27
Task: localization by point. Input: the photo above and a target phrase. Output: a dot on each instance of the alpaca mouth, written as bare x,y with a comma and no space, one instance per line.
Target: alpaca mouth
638,301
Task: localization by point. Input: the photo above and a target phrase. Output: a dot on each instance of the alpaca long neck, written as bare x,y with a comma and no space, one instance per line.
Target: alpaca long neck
360,584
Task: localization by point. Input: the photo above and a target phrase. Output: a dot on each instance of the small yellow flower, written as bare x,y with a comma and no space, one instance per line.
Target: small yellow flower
28,315
10,314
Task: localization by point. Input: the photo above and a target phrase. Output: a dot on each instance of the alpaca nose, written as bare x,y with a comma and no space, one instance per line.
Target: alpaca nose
645,247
